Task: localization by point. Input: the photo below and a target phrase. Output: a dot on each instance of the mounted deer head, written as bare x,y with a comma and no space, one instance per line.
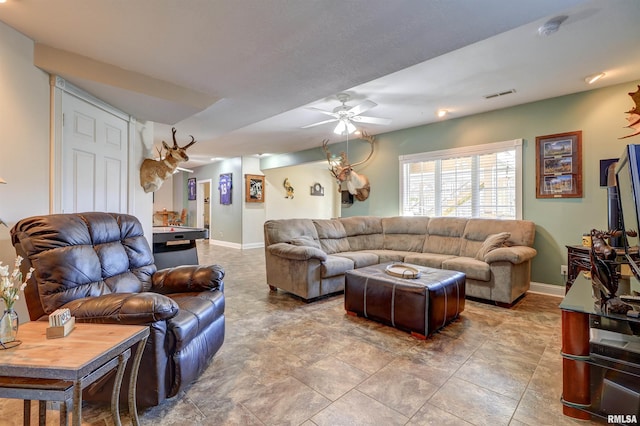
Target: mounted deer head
154,172
342,170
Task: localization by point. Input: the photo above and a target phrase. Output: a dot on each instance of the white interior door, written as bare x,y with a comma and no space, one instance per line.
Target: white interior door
94,158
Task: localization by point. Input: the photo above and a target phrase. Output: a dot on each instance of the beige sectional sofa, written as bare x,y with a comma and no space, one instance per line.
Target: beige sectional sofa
308,257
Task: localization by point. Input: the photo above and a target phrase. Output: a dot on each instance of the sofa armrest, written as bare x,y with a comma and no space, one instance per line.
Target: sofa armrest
188,278
289,251
123,308
514,254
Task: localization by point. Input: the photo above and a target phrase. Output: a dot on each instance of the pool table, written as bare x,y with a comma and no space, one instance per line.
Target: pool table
176,245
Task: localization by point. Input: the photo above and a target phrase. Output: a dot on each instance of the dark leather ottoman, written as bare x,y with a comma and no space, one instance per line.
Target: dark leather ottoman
420,306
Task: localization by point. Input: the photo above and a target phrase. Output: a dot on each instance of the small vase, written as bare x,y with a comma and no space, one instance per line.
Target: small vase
8,326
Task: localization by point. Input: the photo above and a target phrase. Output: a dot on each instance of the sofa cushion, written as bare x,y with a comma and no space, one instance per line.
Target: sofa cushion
444,235
360,258
404,233
385,256
285,230
492,242
305,241
332,236
335,265
432,260
474,269
363,232
477,230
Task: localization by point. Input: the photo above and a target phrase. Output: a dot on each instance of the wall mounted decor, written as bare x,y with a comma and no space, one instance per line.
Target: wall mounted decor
559,165
191,186
254,188
317,190
154,172
225,186
288,188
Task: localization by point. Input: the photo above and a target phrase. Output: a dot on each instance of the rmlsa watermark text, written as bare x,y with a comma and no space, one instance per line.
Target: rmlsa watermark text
627,419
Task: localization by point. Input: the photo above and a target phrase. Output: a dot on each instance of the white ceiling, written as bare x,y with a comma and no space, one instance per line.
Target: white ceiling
267,61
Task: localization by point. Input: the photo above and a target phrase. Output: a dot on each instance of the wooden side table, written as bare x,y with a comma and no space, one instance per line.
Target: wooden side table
59,369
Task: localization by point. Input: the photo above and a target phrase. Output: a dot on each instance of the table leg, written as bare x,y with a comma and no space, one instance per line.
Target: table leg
117,384
133,405
77,403
63,413
26,413
42,413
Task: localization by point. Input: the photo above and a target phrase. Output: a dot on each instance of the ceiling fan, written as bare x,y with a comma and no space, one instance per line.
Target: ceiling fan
346,115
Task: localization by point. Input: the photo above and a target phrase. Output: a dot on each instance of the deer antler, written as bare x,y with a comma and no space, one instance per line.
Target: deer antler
175,143
369,139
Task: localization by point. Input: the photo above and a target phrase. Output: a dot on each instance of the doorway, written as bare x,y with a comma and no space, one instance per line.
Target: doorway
203,204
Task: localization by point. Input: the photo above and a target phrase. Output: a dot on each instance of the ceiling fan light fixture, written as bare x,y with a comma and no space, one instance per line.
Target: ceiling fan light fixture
551,26
593,78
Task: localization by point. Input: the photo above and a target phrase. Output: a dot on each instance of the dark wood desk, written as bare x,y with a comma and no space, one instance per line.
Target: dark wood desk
59,369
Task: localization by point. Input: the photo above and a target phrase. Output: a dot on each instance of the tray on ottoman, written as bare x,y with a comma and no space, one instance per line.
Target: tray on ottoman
420,305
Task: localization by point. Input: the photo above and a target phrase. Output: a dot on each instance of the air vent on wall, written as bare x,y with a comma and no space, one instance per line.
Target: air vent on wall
495,95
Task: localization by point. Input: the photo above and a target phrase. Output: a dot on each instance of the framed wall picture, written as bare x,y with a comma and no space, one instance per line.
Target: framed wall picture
559,165
191,186
254,188
225,185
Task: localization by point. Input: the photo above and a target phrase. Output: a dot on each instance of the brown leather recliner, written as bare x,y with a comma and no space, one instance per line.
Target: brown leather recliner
100,266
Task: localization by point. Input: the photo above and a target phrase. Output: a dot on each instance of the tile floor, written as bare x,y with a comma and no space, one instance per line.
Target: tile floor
285,362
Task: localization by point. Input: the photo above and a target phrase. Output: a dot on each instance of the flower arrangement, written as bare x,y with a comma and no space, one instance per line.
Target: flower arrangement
11,285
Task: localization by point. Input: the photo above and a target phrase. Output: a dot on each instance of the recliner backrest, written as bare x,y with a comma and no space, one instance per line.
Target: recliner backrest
81,255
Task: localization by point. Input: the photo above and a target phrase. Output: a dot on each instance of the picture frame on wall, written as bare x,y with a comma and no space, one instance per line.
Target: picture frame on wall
254,188
559,165
225,186
191,186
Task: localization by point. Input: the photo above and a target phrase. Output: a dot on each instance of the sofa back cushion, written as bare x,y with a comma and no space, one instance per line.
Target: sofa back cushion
404,233
332,235
522,232
443,235
82,255
363,232
289,231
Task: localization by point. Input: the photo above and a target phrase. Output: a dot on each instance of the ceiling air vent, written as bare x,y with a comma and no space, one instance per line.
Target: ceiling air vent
495,95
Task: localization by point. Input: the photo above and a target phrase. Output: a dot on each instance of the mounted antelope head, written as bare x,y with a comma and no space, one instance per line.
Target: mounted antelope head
154,172
342,170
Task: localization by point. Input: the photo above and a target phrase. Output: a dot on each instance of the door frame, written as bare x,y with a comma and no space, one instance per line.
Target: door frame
200,202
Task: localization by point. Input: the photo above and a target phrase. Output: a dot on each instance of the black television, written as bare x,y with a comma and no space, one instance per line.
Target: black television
628,184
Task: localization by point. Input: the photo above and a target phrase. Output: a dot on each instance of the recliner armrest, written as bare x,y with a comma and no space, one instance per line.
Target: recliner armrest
123,308
188,278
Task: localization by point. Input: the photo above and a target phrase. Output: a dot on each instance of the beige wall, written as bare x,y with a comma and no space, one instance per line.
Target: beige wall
24,120
303,204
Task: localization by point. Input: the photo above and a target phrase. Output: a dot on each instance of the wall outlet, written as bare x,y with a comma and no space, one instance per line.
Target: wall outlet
563,270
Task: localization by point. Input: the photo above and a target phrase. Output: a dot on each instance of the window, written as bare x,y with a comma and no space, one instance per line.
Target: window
477,181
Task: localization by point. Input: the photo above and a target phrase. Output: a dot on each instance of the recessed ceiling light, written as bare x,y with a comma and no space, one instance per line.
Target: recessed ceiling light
441,113
593,78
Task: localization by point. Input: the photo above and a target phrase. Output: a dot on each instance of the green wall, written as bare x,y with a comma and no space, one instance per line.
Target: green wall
226,220
600,114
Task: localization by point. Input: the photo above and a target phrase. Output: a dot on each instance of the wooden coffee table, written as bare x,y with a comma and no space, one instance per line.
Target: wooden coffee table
58,369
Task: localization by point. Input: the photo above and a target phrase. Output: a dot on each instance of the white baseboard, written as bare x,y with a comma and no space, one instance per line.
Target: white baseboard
225,244
236,245
548,289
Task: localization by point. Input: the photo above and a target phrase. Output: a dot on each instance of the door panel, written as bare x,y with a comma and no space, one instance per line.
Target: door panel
94,158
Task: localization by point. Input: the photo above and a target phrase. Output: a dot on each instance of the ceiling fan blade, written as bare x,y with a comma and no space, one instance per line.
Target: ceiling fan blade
331,120
360,108
322,111
371,120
